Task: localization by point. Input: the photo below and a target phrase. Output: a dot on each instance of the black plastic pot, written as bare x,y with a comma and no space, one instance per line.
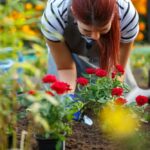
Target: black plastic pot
10,141
50,144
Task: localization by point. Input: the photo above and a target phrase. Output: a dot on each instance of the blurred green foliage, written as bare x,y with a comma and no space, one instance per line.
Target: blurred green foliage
140,63
20,31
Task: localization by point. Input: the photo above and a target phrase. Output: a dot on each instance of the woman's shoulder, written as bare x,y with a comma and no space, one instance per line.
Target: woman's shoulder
126,8
128,20
59,7
59,3
123,1
123,4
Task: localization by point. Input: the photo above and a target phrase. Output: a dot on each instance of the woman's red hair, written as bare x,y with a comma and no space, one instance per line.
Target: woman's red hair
99,13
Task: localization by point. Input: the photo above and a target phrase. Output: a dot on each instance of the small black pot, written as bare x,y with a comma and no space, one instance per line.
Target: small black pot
10,141
50,144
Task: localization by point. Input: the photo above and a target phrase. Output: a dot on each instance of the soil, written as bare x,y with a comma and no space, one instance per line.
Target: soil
92,138
88,138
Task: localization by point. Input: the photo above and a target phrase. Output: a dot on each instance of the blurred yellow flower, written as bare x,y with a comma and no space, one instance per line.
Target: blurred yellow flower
16,15
141,6
32,32
28,6
142,10
26,29
140,37
142,26
118,121
39,7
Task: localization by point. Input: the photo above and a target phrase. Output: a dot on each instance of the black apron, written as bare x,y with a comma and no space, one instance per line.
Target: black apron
78,45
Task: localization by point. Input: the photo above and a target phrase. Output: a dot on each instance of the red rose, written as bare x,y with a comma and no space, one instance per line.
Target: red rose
82,81
90,71
141,100
113,74
60,87
120,69
100,73
49,93
49,78
31,92
117,91
120,101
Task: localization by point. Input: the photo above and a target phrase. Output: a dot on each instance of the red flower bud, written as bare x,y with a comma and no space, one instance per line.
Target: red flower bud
120,101
141,100
117,91
100,73
49,78
31,92
90,71
60,87
82,81
120,69
113,74
49,93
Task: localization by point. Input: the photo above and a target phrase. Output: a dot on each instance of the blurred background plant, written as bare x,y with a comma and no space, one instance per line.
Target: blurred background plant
8,110
20,46
20,32
140,58
141,6
140,62
10,115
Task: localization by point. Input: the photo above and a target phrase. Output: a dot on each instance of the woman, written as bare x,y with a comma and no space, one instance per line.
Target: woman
81,33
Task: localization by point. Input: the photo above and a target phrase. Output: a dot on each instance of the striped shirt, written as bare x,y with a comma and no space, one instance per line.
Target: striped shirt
54,20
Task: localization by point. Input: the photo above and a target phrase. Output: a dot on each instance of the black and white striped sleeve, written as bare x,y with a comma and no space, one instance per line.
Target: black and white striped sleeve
129,22
52,21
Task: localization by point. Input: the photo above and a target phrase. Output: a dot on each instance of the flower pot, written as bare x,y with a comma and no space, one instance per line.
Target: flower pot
50,144
10,141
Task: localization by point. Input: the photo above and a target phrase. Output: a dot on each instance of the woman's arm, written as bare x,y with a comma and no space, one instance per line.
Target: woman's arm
65,64
125,50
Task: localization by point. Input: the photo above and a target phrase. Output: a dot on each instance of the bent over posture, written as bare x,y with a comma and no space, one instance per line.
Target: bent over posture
89,33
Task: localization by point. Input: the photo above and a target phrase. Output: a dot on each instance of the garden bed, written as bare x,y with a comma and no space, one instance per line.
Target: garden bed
86,137
92,138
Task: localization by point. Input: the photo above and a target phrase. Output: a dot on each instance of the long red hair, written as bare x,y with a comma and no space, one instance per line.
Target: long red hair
99,13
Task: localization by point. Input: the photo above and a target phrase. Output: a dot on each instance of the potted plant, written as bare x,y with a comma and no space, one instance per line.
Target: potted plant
97,87
50,112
